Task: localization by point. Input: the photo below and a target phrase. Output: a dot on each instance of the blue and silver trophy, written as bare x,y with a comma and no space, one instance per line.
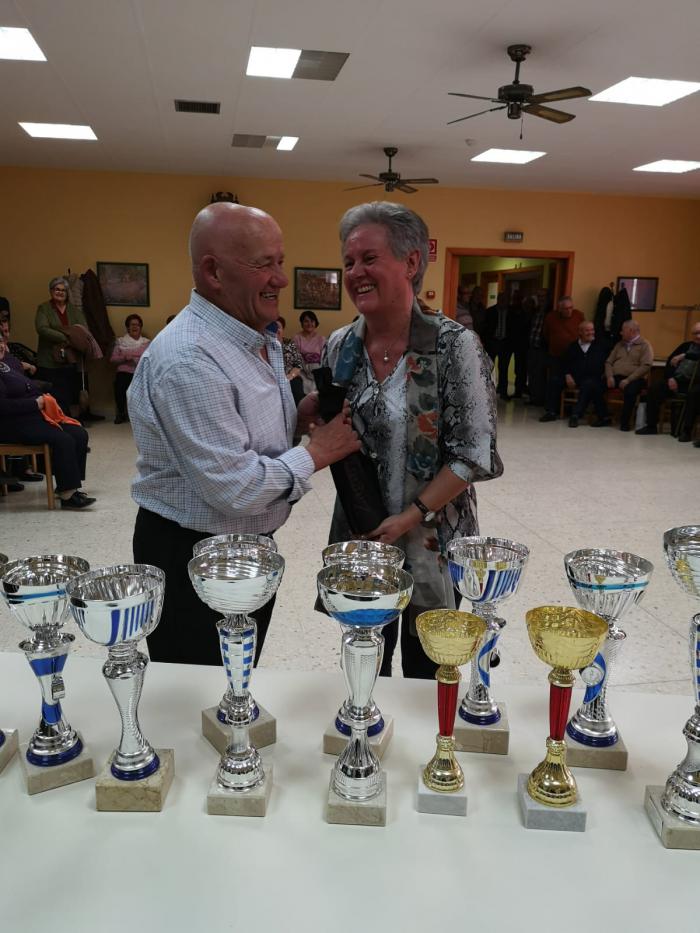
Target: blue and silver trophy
363,597
486,571
8,738
236,578
369,552
675,809
116,607
607,583
34,588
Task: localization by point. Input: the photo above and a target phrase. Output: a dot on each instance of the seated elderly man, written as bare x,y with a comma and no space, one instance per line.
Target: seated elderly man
627,367
681,370
584,369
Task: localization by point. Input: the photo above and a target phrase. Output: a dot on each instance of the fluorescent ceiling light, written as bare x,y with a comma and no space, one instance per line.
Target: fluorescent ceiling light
675,166
513,156
58,131
287,143
272,63
19,45
649,92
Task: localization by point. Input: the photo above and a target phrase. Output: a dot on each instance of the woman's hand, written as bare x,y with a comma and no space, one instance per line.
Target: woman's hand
395,526
40,403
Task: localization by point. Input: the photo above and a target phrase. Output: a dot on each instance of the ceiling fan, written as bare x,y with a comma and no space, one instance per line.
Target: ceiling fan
393,180
519,98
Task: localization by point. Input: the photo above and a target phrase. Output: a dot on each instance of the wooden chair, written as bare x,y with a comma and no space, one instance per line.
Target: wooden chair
568,397
30,450
674,406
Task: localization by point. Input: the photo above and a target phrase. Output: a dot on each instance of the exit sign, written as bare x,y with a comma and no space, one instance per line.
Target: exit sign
513,236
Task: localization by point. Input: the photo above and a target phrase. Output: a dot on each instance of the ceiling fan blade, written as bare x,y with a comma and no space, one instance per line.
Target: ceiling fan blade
473,96
373,177
548,113
459,120
420,181
379,184
564,93
400,186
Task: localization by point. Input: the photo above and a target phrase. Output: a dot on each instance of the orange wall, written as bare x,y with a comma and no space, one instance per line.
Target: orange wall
54,219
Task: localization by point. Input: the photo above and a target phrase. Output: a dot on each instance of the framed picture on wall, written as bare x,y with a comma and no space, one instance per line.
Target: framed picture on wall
124,284
317,289
641,289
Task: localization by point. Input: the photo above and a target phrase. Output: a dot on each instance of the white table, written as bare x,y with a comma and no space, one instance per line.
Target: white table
63,866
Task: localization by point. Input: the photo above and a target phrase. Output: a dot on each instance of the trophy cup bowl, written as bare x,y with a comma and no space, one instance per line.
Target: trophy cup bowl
566,639
116,607
35,589
236,578
363,597
682,551
607,583
238,538
450,638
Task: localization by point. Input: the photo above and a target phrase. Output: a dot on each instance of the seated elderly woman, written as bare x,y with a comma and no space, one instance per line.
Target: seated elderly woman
22,421
422,402
127,351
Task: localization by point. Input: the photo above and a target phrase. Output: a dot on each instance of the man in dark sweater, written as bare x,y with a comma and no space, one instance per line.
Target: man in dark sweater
560,328
680,375
584,369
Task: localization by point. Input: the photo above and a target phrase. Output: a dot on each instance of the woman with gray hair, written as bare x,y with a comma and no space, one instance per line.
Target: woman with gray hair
422,402
55,359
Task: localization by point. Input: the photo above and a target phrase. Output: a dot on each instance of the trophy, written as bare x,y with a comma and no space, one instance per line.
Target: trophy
607,583
486,571
8,738
449,638
567,639
237,578
675,809
34,588
380,728
216,721
363,598
116,607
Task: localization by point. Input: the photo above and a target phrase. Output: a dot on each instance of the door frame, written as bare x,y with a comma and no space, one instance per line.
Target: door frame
453,254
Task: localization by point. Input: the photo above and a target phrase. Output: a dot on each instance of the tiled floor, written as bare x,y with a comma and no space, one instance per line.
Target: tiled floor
561,489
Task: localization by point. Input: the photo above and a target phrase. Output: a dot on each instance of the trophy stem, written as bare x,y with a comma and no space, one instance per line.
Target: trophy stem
681,796
477,706
240,767
124,671
54,741
443,772
357,774
561,683
592,723
223,713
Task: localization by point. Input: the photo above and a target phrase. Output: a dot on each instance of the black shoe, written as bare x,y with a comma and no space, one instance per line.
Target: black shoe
77,501
647,430
624,427
506,397
573,421
549,416
696,443
31,478
517,395
602,423
120,419
15,487
684,437
91,416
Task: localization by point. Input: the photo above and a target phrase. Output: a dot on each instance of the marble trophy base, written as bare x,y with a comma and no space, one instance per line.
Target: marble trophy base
674,833
537,816
40,779
9,747
489,740
262,732
453,803
357,813
144,796
253,802
608,758
335,742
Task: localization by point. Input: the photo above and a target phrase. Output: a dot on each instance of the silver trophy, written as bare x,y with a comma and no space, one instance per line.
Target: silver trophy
363,598
4,748
608,584
372,552
237,578
681,797
117,607
35,588
486,571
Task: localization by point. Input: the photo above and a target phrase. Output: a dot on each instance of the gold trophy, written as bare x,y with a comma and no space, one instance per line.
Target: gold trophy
449,638
568,639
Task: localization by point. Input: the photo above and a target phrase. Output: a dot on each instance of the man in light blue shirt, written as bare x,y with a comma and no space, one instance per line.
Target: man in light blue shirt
214,419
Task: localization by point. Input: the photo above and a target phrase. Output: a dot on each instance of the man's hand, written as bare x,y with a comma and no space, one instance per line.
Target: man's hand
28,368
672,384
570,381
623,383
675,360
611,383
333,441
293,373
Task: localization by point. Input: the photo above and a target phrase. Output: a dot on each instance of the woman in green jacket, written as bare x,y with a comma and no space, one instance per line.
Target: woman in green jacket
54,356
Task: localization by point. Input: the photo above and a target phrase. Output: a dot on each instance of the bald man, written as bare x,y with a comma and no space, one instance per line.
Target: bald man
213,419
